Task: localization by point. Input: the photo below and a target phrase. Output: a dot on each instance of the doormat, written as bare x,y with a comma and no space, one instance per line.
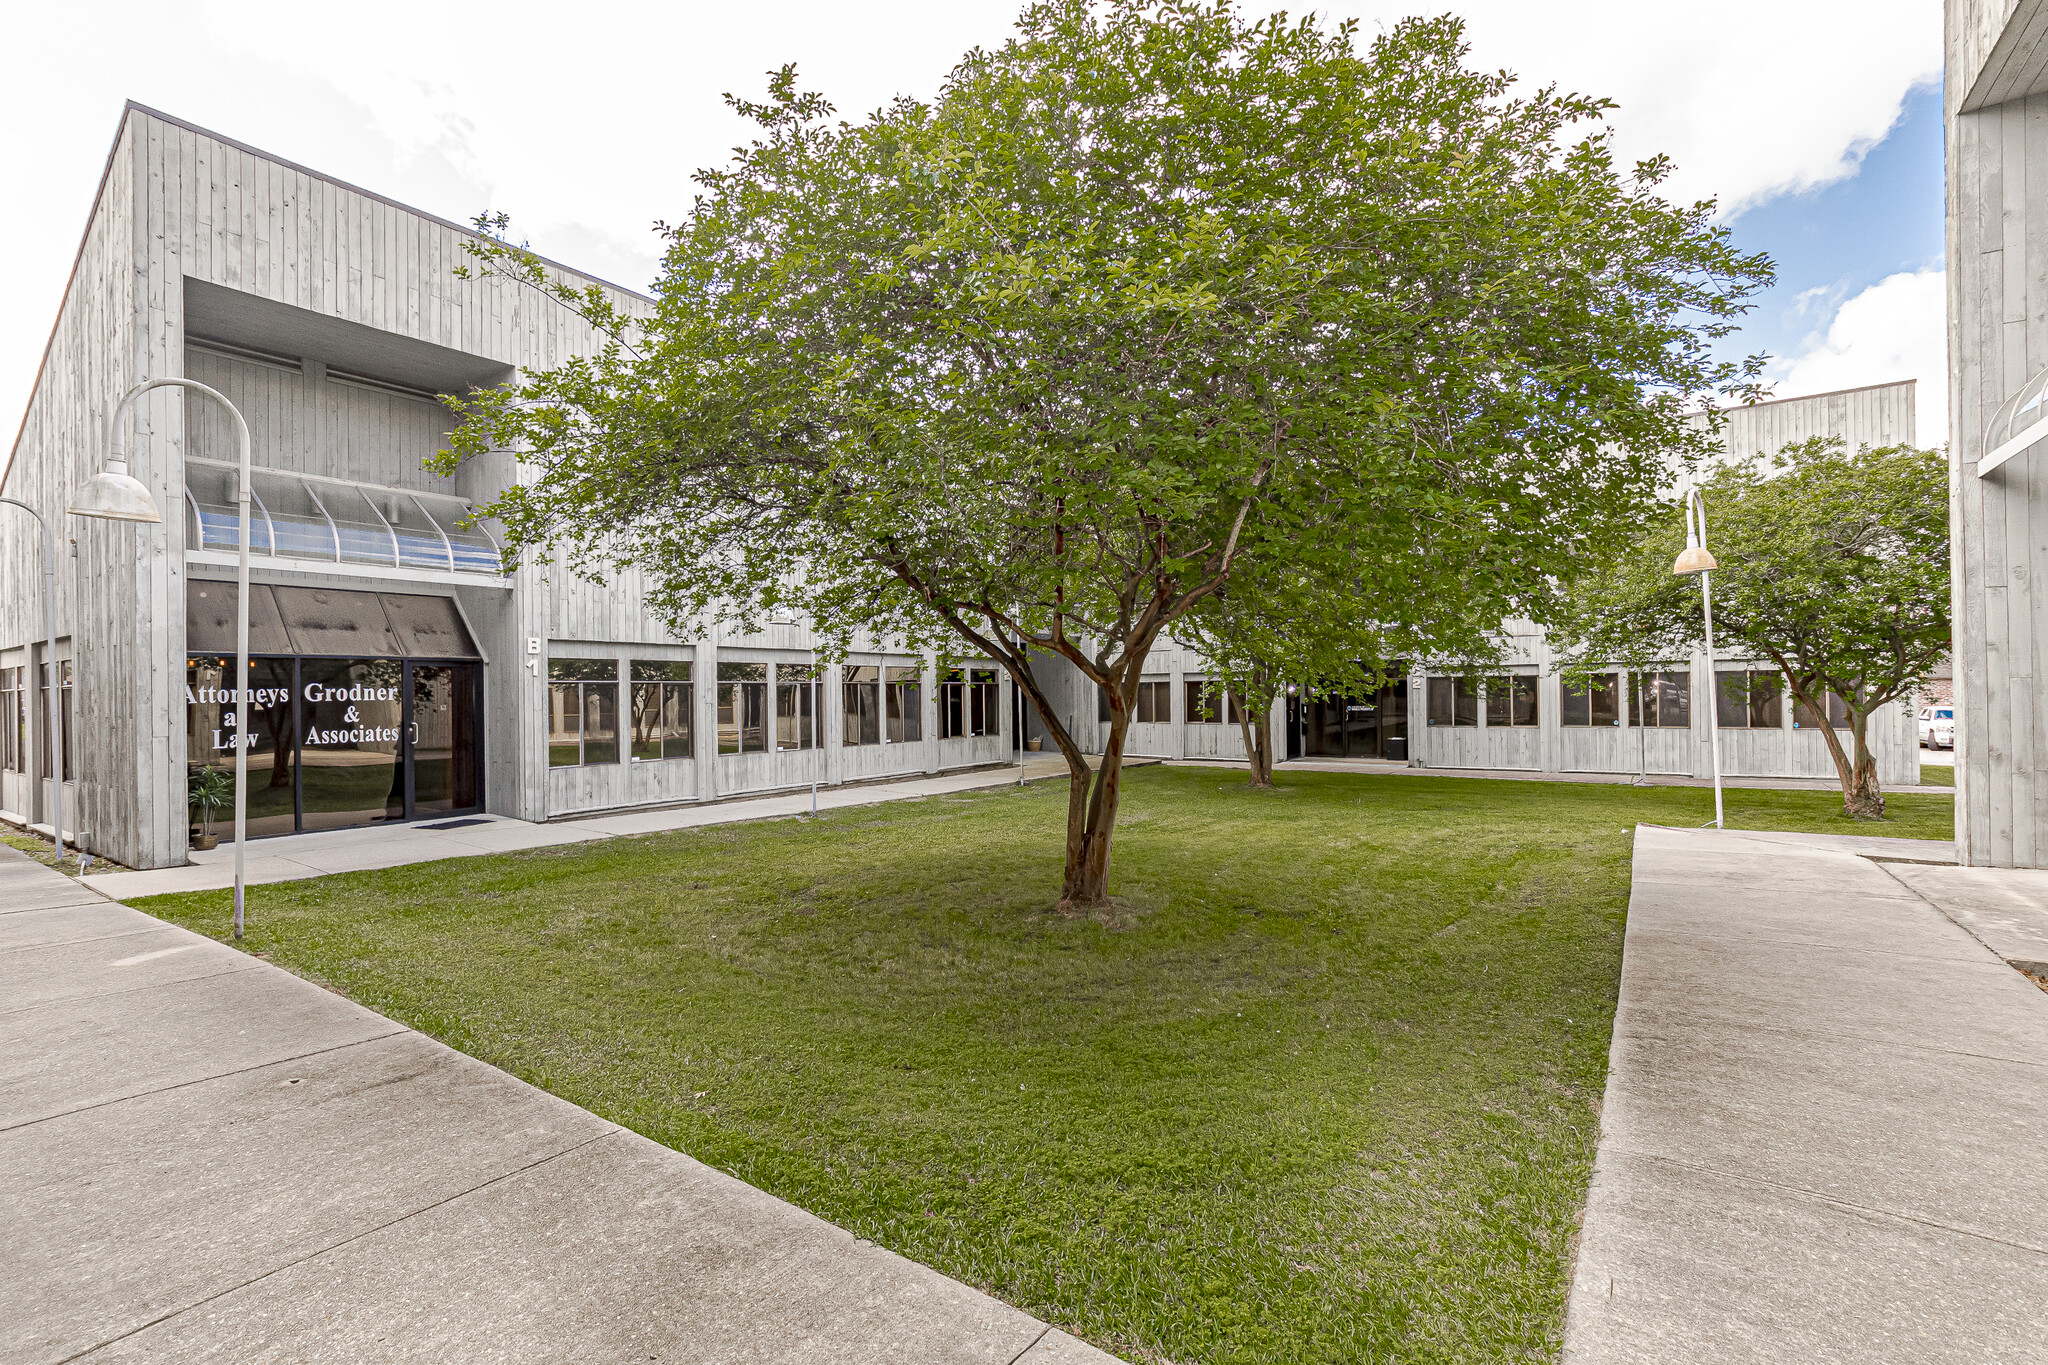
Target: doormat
458,824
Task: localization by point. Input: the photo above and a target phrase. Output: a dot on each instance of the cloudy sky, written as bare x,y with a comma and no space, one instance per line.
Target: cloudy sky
585,122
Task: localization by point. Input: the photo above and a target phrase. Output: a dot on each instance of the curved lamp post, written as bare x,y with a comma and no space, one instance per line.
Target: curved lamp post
114,495
1694,559
54,723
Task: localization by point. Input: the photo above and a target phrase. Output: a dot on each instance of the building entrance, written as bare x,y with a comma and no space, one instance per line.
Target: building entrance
336,739
336,743
1369,725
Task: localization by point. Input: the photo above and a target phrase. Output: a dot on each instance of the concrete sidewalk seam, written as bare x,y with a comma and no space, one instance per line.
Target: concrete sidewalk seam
1846,1205
1707,936
248,966
1838,1037
74,942
1031,1347
336,1246
202,1080
1975,937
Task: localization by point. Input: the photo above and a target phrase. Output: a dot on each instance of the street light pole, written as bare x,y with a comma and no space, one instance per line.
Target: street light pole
53,721
1694,559
113,495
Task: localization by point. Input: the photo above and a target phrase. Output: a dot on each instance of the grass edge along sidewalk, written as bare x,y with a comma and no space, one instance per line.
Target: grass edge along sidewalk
1323,1089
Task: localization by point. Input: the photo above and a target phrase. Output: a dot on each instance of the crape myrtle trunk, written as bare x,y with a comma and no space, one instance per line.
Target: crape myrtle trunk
1255,723
1855,766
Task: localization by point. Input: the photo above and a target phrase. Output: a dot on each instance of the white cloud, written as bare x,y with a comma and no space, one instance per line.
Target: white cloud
1896,329
586,124
1752,98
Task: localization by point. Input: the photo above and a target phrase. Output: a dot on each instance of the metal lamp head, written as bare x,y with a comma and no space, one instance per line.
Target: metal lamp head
1693,559
114,494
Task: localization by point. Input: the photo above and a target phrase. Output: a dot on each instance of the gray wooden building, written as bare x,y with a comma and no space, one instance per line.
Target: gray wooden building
402,673
1996,105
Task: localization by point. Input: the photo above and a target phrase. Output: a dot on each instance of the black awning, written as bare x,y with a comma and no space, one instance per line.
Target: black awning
330,621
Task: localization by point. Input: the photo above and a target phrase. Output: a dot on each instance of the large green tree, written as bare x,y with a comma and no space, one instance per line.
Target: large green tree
1148,293
1833,565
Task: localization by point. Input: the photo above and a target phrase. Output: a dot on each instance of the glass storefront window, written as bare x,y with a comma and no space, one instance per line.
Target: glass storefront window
903,704
661,710
797,705
861,701
743,708
583,712
350,718
210,737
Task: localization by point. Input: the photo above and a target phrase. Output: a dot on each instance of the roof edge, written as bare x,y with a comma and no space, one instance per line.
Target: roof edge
276,160
99,194
1809,397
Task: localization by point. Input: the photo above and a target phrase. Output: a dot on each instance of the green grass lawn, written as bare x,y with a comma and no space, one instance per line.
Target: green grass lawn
1937,772
1324,1090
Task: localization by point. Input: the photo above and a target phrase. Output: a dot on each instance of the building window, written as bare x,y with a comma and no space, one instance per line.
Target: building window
583,712
1663,699
861,702
1595,702
1511,700
743,708
13,723
1155,701
903,704
1838,714
969,704
1749,699
63,717
661,710
796,705
1453,701
1208,703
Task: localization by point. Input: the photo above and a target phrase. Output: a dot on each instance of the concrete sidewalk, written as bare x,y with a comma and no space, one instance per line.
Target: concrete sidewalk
1825,1135
1392,769
292,857
209,1159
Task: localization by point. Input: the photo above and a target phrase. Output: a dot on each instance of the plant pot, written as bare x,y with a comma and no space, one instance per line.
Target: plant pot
1034,745
204,842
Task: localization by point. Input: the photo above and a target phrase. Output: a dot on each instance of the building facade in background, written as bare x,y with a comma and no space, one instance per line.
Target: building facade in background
401,672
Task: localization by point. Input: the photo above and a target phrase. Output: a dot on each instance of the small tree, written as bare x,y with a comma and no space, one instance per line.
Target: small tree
1834,566
1143,297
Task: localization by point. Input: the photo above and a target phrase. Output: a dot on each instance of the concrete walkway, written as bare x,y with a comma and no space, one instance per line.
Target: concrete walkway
209,1159
1391,769
291,857
1825,1136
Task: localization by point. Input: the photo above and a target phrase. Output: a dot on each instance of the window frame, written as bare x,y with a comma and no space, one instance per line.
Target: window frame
970,704
742,693
800,687
668,682
582,679
860,706
902,704
1763,692
1599,705
1154,692
1511,702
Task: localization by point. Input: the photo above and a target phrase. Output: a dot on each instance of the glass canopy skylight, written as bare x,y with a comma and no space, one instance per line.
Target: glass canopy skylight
2017,425
298,516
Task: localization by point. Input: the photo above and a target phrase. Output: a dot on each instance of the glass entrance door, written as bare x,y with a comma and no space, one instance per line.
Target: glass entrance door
351,742
441,735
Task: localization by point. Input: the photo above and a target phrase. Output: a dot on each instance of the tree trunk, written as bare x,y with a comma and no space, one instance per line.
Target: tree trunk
1862,798
1257,728
1091,821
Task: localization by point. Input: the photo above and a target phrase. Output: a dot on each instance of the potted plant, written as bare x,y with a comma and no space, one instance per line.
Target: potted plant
208,788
